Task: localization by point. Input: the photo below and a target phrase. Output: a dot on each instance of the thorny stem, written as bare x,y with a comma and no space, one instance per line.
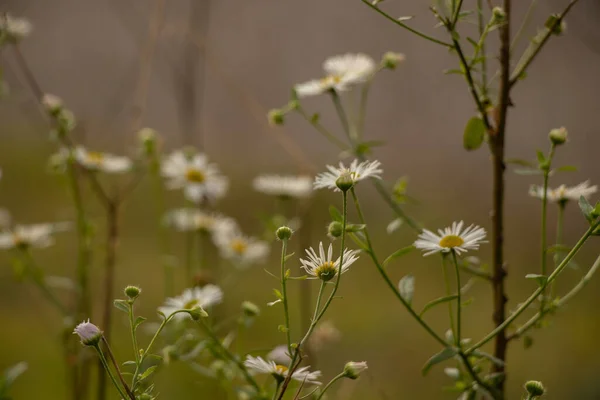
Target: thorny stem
116,364
331,382
286,312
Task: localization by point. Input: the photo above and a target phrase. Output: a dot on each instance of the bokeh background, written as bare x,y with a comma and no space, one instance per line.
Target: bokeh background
216,69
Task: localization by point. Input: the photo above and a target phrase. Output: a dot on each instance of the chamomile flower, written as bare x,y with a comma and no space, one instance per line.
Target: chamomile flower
102,162
240,249
280,372
453,238
37,235
342,72
284,186
564,193
199,179
355,172
204,297
322,266
13,28
191,219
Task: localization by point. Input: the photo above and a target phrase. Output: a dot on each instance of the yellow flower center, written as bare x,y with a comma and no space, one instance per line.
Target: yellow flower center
18,240
451,241
326,271
331,80
280,369
239,246
95,157
195,175
191,304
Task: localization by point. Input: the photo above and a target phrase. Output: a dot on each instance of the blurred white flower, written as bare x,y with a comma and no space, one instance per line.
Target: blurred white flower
321,266
280,372
14,28
37,235
204,297
240,249
342,72
453,238
102,162
280,355
52,103
191,219
199,179
564,193
324,334
284,186
356,172
89,333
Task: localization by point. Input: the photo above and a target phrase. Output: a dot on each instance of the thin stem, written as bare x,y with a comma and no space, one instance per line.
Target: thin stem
387,279
481,47
524,24
560,221
544,241
116,365
403,25
339,108
476,377
387,197
133,336
40,282
320,128
448,293
331,382
458,301
534,295
284,244
276,390
104,364
456,13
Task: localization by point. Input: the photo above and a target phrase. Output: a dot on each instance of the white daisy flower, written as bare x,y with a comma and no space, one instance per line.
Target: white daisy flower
453,238
191,219
342,72
284,186
14,28
204,297
322,266
280,355
280,372
240,249
199,179
102,162
564,193
356,172
37,235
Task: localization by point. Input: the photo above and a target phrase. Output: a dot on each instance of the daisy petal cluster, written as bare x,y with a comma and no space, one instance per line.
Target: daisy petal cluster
194,220
452,238
564,193
240,249
284,186
204,297
322,266
200,180
355,172
103,162
14,29
36,235
341,73
280,372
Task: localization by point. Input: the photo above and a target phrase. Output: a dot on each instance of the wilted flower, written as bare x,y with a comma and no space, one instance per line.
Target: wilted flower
102,162
453,238
280,372
37,235
240,249
89,333
199,179
284,186
564,193
355,173
322,266
191,299
342,72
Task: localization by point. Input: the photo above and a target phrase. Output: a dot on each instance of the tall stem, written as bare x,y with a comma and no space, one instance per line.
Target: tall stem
116,365
286,312
104,365
560,222
448,293
331,382
544,233
458,301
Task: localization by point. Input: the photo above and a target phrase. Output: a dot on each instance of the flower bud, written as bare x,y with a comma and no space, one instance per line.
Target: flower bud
276,117
558,136
535,388
250,309
345,182
391,59
147,138
53,104
89,333
556,24
197,312
132,292
335,229
498,15
353,369
284,233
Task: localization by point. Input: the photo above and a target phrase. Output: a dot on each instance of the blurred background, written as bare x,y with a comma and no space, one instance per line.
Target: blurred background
205,73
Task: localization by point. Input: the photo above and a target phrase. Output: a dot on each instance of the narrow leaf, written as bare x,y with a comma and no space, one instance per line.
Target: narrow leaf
435,302
586,208
335,214
398,253
541,279
406,287
122,305
148,372
443,355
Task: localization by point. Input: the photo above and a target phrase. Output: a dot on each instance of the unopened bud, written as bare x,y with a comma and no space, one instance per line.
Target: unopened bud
558,136
335,229
250,309
197,312
89,333
345,182
353,369
284,233
132,292
147,138
53,104
276,117
498,15
535,388
391,59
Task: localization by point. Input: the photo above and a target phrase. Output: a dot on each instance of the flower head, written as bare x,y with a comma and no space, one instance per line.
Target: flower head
199,179
355,172
280,372
190,299
37,235
322,266
89,333
341,73
564,193
14,29
240,249
194,220
102,162
353,369
453,238
284,186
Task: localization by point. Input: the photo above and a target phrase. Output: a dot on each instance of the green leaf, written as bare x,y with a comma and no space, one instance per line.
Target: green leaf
282,328
443,355
278,294
288,256
398,253
474,134
541,279
586,209
540,157
355,227
495,360
521,162
122,305
435,302
335,214
567,168
148,372
138,322
406,287
528,172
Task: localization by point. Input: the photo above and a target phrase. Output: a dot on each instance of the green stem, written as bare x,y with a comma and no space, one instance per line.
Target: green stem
387,279
133,336
339,108
116,365
448,293
483,31
320,128
110,373
458,301
456,13
40,282
524,24
331,382
276,390
559,240
284,244
544,241
525,305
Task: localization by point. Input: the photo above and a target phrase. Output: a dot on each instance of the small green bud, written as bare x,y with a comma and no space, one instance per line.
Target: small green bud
556,24
147,138
197,312
558,136
250,309
284,233
132,292
498,15
353,369
345,182
335,229
391,60
276,117
535,388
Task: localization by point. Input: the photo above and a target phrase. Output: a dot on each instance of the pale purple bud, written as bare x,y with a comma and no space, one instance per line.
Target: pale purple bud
89,333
